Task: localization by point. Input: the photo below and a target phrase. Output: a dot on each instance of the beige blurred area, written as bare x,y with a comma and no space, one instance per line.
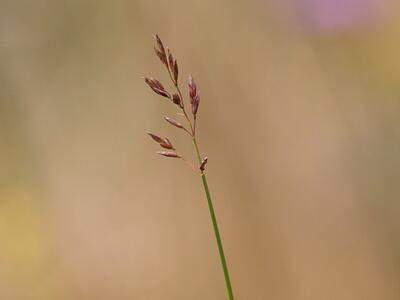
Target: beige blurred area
299,116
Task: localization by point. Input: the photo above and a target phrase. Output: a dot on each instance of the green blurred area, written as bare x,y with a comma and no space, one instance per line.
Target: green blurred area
300,124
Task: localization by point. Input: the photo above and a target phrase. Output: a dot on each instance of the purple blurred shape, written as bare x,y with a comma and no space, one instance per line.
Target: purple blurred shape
338,15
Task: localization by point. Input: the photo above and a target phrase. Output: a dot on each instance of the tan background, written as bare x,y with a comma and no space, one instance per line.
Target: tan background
300,122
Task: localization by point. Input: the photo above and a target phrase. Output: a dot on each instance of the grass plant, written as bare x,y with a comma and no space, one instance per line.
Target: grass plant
168,60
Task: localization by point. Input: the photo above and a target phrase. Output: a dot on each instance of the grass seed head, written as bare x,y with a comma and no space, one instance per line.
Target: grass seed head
166,57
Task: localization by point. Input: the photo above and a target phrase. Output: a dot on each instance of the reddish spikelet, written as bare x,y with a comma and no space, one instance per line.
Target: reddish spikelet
173,66
192,89
161,51
175,71
157,87
195,105
177,100
165,143
153,83
156,138
161,56
194,95
170,59
162,93
159,43
168,144
174,122
172,154
203,164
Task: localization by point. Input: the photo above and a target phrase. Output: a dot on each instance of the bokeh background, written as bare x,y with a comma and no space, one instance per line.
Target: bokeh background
300,118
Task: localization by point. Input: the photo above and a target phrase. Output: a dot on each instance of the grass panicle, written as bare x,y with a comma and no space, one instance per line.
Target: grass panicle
168,60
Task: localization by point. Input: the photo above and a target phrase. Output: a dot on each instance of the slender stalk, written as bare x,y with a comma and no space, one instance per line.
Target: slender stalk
196,148
215,226
218,238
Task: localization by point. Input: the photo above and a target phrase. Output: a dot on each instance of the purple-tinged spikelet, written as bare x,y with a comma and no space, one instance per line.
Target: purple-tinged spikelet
172,66
157,87
194,95
165,143
177,100
174,122
175,71
172,154
162,55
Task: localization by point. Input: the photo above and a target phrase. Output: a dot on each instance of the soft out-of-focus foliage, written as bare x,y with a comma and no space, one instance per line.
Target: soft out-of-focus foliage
300,119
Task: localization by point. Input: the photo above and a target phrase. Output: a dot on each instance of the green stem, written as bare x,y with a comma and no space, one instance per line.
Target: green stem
218,238
215,226
197,150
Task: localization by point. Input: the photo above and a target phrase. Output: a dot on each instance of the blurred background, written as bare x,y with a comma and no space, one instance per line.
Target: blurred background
300,119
